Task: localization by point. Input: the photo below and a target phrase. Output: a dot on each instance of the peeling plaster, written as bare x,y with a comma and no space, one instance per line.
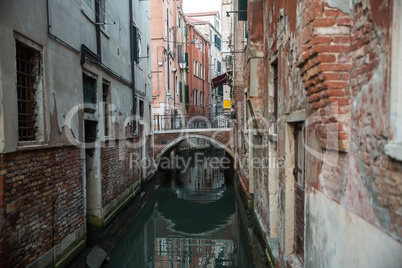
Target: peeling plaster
344,238
345,5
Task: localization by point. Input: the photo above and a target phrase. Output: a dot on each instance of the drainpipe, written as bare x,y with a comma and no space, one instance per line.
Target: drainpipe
132,40
203,79
52,35
98,32
168,60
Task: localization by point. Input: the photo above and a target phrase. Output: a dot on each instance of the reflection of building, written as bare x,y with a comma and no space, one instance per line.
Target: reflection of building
202,183
190,252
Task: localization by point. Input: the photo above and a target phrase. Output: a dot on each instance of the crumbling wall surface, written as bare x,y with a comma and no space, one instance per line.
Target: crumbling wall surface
375,195
239,87
42,203
344,60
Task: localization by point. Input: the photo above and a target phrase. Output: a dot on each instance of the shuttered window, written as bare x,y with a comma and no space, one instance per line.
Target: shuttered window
242,14
187,93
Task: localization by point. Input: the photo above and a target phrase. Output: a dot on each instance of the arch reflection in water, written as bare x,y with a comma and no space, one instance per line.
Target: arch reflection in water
193,222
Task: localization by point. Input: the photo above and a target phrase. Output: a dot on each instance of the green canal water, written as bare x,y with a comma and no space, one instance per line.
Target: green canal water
192,220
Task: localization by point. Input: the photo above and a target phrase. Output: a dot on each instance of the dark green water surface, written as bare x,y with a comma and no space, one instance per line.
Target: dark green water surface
191,221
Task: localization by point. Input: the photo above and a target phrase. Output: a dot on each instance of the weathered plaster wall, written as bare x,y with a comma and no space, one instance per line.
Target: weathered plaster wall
346,240
27,238
333,61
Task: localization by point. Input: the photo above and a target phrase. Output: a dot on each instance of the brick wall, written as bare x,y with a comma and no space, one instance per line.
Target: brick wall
379,176
118,173
324,62
41,202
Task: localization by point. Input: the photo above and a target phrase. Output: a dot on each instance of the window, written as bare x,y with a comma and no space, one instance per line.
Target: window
29,82
195,97
217,41
88,2
136,42
242,14
187,93
135,120
196,42
394,146
201,71
194,67
141,107
148,60
106,107
89,8
102,12
181,92
200,98
180,53
150,117
89,88
138,45
298,173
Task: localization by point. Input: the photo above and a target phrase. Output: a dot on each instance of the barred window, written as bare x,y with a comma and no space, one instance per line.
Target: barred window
28,72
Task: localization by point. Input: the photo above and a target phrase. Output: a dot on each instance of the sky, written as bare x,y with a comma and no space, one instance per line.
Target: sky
191,6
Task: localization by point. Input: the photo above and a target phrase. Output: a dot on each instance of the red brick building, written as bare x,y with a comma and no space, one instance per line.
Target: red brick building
198,74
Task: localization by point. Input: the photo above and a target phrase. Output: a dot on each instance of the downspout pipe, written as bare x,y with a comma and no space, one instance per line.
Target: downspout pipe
203,78
98,31
132,40
52,35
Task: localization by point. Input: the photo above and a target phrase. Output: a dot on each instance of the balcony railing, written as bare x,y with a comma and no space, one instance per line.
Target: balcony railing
191,121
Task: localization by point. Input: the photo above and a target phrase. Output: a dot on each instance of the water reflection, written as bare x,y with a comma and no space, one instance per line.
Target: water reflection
192,222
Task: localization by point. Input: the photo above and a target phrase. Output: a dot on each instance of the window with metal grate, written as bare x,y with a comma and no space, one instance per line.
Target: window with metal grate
28,68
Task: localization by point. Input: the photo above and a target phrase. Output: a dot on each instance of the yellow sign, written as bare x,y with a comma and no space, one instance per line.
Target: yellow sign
227,104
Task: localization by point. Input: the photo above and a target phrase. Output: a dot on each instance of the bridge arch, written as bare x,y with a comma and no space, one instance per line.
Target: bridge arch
174,143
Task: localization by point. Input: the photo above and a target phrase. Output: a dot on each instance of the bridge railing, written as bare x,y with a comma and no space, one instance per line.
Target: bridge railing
191,121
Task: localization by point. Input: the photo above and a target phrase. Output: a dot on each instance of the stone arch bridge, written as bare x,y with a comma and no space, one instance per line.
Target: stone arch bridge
166,141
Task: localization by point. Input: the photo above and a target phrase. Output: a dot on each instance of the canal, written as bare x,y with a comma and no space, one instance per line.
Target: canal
191,220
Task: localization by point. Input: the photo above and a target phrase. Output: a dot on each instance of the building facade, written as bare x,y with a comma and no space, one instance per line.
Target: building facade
180,70
209,24
75,78
199,87
227,56
319,167
164,64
